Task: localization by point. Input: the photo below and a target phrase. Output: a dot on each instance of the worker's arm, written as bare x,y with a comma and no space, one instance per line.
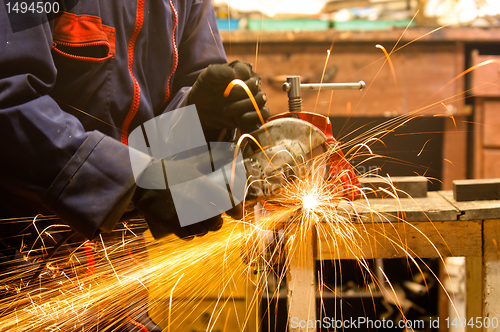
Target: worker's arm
199,47
47,156
198,44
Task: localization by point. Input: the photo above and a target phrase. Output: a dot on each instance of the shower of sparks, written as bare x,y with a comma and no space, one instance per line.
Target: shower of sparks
64,298
128,266
129,273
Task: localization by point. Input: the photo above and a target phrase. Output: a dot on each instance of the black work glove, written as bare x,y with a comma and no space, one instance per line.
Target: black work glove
157,205
235,111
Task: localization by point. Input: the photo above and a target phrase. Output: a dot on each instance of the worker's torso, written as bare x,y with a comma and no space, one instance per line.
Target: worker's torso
115,59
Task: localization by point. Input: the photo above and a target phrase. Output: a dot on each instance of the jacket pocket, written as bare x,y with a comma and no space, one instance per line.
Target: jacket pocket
83,52
83,37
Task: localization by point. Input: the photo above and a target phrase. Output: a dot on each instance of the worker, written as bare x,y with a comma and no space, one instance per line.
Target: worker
75,83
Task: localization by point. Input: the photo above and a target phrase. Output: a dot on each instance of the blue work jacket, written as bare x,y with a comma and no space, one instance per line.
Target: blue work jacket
73,87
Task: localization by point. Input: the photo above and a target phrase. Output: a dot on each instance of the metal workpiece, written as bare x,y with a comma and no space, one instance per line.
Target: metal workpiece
334,86
293,87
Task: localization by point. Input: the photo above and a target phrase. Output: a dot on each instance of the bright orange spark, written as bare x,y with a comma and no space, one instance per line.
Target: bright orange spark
423,147
322,77
388,58
239,82
465,72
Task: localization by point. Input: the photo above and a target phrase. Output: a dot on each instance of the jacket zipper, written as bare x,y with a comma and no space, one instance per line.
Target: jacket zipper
137,90
175,60
97,43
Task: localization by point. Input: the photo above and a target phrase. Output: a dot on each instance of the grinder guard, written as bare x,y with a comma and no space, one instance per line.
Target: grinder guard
291,143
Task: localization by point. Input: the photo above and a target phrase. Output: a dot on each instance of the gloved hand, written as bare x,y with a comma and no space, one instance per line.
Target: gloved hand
236,110
157,205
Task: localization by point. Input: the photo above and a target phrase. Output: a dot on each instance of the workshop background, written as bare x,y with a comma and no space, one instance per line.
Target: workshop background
455,135
283,38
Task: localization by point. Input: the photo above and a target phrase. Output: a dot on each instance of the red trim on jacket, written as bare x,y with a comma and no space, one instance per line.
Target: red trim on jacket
137,91
87,245
176,55
82,31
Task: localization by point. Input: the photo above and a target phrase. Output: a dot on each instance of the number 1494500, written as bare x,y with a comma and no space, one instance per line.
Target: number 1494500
40,7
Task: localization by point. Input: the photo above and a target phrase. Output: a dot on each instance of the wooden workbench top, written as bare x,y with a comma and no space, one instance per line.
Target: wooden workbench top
437,206
431,226
332,35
